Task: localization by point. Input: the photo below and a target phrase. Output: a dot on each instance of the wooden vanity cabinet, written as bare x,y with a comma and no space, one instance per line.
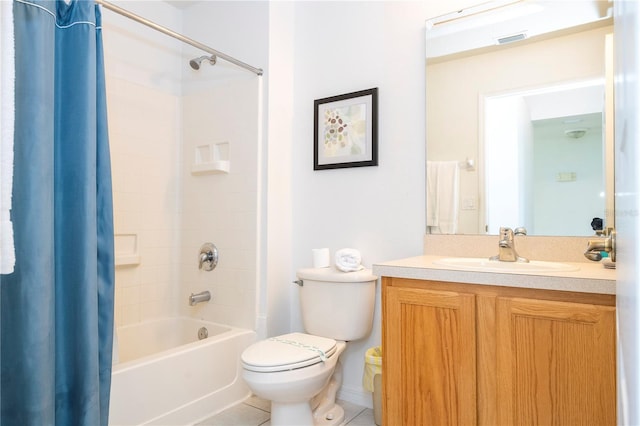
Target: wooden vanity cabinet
470,354
429,363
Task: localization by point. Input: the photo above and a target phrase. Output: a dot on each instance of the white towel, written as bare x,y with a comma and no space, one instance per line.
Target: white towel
7,106
443,181
432,194
348,260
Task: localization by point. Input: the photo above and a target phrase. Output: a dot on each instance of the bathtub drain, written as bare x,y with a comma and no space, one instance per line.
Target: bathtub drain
203,333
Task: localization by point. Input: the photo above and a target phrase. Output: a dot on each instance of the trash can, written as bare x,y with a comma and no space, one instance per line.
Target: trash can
372,379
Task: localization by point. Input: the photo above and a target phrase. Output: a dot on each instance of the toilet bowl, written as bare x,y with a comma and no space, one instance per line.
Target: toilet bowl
301,373
290,370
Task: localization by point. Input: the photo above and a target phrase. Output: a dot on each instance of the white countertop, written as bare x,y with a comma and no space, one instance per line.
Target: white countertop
590,277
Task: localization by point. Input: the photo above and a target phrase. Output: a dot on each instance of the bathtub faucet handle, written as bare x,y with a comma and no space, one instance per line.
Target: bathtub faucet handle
208,258
203,296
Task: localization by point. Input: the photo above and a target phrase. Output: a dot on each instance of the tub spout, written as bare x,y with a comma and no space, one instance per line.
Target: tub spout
203,296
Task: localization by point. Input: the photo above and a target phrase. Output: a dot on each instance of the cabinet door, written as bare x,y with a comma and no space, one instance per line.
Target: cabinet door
556,363
429,364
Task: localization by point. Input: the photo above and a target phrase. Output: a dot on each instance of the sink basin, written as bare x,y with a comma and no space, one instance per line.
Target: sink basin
483,264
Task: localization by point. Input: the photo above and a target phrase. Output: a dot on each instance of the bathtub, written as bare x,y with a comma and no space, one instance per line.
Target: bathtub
166,376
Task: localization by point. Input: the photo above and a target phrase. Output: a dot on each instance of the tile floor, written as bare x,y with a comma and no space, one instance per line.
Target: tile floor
255,412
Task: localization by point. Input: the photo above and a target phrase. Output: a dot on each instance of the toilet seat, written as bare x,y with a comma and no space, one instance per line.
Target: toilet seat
287,352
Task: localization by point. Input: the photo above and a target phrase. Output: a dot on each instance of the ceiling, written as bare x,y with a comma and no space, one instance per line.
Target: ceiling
182,4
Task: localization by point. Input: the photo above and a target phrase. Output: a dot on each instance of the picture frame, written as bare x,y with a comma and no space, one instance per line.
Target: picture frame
346,130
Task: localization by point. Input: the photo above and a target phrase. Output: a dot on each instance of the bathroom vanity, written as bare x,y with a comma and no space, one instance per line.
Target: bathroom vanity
497,348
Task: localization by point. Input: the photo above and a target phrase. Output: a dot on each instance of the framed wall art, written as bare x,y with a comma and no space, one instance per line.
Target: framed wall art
346,130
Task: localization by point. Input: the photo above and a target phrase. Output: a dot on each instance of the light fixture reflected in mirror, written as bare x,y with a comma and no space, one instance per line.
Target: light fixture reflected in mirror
575,133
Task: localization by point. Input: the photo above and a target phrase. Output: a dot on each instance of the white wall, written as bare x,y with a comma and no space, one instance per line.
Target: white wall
221,208
222,104
275,302
160,110
341,47
143,98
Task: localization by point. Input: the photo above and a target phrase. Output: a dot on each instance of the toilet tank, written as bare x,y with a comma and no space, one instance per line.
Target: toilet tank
335,304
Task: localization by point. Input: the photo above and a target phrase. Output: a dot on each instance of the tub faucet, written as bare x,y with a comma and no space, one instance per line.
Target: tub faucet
208,258
203,296
507,248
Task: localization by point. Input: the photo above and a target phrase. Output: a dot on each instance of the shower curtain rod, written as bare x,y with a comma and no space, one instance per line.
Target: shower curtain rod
176,35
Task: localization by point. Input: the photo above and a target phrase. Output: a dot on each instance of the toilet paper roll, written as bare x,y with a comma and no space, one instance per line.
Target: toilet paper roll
321,258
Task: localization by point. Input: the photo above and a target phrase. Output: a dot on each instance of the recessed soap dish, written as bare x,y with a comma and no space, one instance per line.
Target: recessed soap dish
126,250
211,158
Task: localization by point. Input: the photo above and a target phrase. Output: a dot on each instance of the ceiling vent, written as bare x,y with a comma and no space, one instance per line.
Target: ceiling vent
511,38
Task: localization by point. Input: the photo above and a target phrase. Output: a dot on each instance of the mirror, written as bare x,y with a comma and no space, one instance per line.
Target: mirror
519,118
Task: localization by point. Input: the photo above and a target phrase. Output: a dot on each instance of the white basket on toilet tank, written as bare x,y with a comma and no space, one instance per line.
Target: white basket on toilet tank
300,373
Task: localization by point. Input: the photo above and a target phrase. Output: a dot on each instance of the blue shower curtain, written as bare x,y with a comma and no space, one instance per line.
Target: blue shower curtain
57,306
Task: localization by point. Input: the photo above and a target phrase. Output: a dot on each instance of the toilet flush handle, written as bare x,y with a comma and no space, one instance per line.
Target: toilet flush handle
299,282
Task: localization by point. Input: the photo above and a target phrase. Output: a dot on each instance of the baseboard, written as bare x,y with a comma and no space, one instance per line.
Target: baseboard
357,396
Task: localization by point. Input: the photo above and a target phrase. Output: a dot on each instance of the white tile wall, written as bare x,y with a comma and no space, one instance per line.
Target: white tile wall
222,208
159,110
144,138
143,70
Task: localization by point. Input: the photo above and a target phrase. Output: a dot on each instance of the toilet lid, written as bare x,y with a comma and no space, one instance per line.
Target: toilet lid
287,352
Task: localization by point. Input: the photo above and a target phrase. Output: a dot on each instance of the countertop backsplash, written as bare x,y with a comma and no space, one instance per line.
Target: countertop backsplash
555,249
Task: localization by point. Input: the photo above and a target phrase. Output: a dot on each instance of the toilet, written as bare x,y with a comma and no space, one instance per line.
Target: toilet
300,373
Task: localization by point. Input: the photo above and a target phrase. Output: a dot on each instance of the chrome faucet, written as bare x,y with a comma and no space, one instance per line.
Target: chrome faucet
507,247
606,242
208,258
203,296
